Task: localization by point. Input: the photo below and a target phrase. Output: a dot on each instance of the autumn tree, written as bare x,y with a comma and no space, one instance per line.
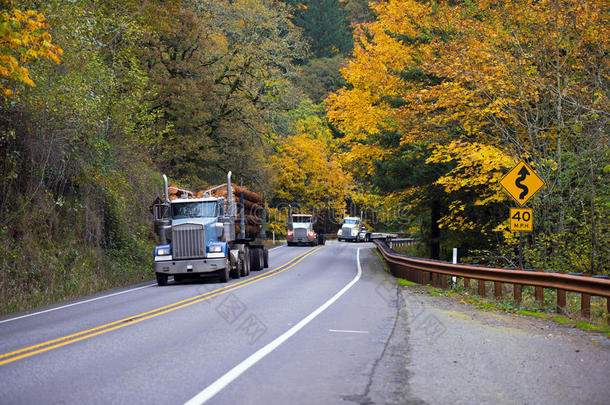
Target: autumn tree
482,84
24,37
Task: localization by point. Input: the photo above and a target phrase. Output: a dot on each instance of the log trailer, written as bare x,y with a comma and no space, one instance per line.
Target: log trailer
206,234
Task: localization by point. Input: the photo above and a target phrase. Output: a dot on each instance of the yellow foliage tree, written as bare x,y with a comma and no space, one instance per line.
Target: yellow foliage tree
24,36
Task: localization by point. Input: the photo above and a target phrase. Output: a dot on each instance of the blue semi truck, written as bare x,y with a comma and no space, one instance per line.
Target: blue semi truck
202,235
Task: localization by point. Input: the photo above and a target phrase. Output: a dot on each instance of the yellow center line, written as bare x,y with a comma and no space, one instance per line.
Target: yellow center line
75,337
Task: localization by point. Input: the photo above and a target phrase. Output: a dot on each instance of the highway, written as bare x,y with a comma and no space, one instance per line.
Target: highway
310,329
322,325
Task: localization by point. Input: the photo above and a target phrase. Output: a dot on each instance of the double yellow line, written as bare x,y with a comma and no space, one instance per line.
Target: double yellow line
121,323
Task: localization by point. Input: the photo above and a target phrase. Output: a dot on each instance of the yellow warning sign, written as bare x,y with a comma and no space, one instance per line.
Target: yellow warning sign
521,220
522,183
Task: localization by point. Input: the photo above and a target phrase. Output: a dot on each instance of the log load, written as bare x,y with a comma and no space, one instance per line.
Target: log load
253,207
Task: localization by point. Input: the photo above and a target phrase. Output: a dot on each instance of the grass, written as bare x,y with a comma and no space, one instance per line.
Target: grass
532,313
402,281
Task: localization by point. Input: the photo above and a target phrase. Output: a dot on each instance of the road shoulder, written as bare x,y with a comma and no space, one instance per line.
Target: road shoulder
477,356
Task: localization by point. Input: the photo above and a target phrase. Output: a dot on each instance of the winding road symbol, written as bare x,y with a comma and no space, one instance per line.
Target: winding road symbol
523,173
521,183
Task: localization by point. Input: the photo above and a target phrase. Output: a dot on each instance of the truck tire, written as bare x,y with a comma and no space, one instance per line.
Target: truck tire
161,279
266,258
246,259
236,270
255,259
368,237
223,274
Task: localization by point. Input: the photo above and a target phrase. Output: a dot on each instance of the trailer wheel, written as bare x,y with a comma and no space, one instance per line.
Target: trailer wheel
266,258
255,260
261,258
161,279
223,274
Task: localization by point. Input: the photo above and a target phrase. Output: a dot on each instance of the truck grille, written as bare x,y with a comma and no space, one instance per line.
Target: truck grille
188,241
346,231
300,233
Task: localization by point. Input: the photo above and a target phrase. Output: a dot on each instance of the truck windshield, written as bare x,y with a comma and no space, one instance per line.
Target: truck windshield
301,219
350,221
194,210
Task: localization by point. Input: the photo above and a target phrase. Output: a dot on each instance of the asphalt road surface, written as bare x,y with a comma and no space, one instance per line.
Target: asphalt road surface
322,325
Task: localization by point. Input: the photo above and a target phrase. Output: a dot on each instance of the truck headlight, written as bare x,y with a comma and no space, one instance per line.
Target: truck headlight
215,249
354,231
163,252
339,232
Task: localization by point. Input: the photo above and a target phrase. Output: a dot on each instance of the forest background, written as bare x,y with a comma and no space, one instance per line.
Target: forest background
407,111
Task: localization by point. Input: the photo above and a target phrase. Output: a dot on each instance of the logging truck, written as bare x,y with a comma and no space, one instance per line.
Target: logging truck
208,233
305,229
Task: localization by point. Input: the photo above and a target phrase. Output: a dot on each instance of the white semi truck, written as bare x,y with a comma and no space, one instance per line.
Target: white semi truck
206,235
352,230
304,229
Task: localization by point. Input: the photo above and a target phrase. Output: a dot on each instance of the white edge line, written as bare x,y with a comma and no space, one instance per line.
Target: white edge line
236,371
277,247
76,303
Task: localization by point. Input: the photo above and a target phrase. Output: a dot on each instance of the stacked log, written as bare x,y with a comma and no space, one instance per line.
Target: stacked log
253,207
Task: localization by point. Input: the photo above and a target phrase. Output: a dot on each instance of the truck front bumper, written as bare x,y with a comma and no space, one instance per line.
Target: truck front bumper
301,240
350,237
190,266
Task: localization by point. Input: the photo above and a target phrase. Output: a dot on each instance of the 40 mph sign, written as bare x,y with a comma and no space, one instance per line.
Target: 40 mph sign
521,220
521,183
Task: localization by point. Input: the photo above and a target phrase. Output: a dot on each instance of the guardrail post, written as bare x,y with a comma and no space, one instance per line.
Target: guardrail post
434,280
539,292
443,281
561,301
481,289
585,302
497,290
466,283
517,292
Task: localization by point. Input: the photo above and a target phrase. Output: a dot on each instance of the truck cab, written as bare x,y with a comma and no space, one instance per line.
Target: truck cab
350,229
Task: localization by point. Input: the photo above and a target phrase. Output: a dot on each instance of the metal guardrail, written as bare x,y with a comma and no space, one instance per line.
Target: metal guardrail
425,271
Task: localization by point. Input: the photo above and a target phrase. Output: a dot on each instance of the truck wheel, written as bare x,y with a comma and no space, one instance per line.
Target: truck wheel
223,274
323,240
368,237
246,259
161,279
266,258
236,270
261,258
255,260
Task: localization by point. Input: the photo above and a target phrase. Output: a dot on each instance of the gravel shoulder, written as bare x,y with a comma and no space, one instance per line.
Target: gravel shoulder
444,351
